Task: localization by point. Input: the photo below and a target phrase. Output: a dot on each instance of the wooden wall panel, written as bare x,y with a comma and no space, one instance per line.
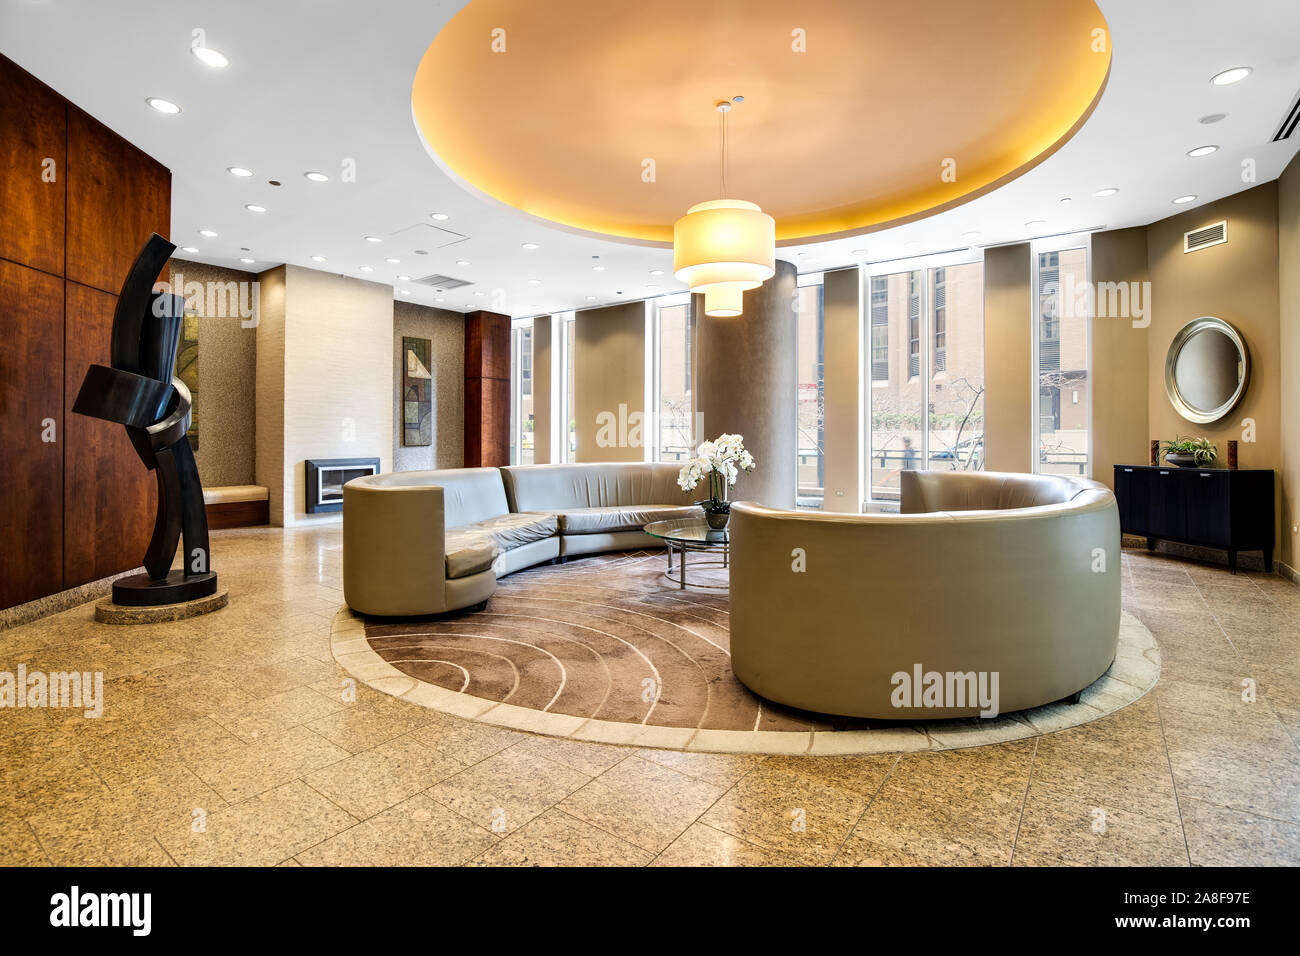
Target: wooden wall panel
117,196
487,389
31,521
109,499
33,128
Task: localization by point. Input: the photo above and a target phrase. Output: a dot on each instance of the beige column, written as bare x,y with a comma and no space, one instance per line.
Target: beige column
1119,357
542,390
1009,395
842,365
609,382
746,383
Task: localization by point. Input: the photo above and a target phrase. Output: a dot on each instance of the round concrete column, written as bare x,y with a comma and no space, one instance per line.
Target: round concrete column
745,384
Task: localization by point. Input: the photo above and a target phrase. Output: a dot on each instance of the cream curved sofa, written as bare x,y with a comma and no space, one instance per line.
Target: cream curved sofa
981,573
426,542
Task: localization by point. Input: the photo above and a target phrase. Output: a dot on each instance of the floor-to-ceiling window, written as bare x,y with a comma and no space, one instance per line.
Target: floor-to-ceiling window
522,433
810,409
1061,357
673,389
925,371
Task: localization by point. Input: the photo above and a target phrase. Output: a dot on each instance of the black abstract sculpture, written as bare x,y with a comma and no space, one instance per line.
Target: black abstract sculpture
141,392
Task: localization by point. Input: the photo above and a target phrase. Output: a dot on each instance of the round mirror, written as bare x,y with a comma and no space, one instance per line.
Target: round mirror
1206,370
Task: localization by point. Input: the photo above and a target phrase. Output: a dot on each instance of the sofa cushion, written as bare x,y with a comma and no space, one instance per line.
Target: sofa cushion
468,551
618,518
515,530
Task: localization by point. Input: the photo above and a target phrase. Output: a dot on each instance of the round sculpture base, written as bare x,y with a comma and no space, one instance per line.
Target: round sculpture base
139,590
108,611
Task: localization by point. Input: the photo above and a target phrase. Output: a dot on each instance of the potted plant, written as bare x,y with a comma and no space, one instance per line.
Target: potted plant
1190,452
720,461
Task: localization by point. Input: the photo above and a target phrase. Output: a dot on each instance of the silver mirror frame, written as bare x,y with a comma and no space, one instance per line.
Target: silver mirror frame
1203,324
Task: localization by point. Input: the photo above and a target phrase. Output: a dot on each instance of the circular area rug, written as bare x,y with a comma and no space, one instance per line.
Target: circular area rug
607,649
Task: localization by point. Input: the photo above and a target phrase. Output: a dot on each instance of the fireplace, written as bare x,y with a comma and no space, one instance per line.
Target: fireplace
327,476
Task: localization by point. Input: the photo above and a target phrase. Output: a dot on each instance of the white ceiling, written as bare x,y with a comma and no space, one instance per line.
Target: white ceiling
315,83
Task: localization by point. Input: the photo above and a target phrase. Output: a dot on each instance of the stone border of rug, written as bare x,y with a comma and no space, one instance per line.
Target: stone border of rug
1134,673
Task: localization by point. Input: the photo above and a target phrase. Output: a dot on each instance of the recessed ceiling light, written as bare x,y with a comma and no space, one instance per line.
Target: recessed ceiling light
970,235
480,293
656,272
1211,118
162,105
406,292
367,268
317,258
462,262
210,57
208,233
591,298
393,262
373,239
239,171
531,245
859,253
534,281
254,207
316,177
440,216
249,261
1202,151
439,300
1103,193
1228,77
1035,223
188,249
1184,200
597,268
403,278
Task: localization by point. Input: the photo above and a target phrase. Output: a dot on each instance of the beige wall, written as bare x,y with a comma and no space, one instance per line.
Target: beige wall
1008,361
225,406
1119,360
1238,282
842,323
542,390
446,334
324,380
1289,355
609,371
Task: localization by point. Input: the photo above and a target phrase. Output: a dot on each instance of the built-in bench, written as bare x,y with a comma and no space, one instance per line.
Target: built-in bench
237,506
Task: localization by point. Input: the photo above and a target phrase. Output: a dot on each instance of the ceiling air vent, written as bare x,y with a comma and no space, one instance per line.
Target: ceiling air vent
442,283
1289,121
1212,235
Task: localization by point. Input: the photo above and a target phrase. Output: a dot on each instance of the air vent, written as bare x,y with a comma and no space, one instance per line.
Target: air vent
1289,122
442,283
1213,235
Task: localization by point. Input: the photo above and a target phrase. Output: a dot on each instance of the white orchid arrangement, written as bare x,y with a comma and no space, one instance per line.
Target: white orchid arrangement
721,461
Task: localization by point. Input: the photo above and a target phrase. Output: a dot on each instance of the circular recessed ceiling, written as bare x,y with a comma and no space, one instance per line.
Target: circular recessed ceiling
856,116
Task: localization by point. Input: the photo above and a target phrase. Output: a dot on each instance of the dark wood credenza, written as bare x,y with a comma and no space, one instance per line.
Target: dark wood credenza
1221,508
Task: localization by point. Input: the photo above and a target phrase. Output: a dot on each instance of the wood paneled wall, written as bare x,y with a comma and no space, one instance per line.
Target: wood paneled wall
79,202
487,389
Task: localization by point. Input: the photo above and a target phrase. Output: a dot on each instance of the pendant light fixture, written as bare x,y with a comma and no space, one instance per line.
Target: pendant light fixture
724,247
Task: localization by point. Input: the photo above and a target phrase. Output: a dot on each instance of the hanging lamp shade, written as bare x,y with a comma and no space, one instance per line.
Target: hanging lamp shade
722,248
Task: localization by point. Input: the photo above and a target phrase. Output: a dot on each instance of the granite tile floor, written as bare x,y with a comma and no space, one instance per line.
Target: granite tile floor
235,739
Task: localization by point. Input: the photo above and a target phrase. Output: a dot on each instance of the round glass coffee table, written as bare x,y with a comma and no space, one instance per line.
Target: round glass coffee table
685,535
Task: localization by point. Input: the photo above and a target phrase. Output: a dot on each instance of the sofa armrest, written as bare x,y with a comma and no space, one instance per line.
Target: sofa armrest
394,559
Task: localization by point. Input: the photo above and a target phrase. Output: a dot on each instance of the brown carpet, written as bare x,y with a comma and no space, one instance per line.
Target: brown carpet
607,637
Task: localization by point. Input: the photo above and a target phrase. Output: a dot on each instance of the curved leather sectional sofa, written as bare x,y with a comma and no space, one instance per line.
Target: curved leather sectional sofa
980,574
424,542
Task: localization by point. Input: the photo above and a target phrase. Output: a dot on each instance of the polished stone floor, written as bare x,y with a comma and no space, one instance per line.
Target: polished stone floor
233,739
